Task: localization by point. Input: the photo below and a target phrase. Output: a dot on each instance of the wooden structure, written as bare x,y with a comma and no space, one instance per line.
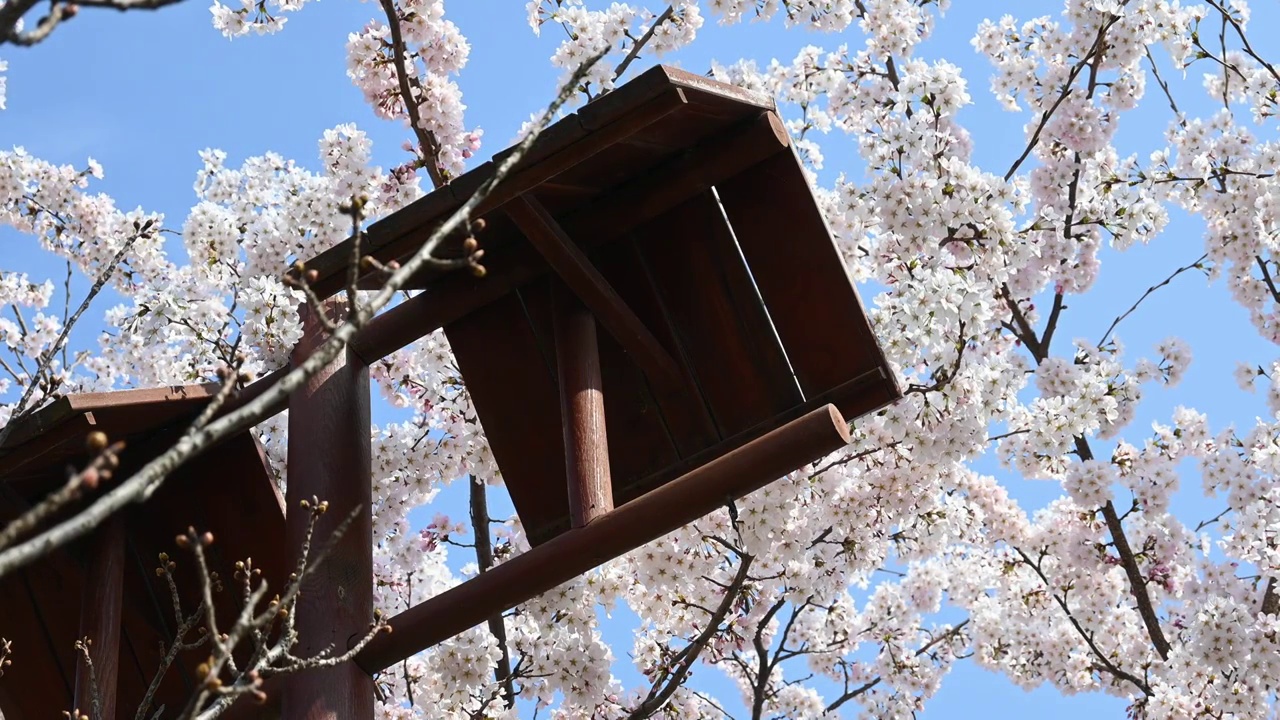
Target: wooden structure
665,325
105,588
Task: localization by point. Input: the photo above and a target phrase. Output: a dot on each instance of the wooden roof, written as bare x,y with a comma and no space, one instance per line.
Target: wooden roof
234,497
676,210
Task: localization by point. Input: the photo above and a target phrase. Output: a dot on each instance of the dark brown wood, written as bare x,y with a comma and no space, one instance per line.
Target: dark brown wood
679,407
801,311
867,392
730,345
586,444
566,556
329,455
400,236
514,390
458,294
569,262
226,492
100,622
639,442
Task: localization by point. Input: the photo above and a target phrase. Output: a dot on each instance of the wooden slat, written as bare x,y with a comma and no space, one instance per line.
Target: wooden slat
737,361
679,179
518,404
100,621
572,265
414,225
868,392
681,414
639,201
819,318
37,680
714,96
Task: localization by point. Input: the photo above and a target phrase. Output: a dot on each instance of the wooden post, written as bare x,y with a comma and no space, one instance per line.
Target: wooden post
329,457
100,603
586,446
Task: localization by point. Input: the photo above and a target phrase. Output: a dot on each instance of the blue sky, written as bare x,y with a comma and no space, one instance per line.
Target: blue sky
143,93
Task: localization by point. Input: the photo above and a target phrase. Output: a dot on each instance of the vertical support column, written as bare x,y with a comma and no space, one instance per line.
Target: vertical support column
586,447
100,603
329,457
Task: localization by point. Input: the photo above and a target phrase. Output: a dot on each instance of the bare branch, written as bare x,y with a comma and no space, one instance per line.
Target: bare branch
1194,265
484,559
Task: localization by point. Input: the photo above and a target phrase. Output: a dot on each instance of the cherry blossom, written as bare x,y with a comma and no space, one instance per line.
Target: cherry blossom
857,583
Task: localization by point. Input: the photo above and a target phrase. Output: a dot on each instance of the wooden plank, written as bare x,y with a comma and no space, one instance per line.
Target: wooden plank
784,237
612,106
413,227
704,285
683,177
38,683
577,271
678,411
48,452
556,137
715,96
865,393
620,161
517,401
100,605
586,443
457,294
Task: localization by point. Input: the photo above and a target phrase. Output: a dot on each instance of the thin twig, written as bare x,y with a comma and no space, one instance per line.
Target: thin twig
50,355
1119,318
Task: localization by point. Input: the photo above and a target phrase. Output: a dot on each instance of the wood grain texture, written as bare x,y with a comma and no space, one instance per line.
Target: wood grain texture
100,621
582,277
780,247
709,297
586,444
329,454
570,554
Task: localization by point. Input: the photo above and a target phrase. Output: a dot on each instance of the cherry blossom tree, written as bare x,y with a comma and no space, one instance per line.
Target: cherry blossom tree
857,583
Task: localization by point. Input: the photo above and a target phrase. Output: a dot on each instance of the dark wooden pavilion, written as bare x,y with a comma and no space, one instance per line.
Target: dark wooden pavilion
665,325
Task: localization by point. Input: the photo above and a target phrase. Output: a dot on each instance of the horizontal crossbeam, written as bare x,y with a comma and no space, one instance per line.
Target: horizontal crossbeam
646,518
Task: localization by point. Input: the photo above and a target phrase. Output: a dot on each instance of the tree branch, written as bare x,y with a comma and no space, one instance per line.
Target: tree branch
484,559
197,439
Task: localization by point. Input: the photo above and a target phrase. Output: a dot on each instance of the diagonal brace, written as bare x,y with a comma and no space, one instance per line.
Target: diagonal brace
582,277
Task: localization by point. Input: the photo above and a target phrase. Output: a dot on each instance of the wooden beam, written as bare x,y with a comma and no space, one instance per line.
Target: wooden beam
402,232
646,518
100,607
329,455
582,277
586,445
456,295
